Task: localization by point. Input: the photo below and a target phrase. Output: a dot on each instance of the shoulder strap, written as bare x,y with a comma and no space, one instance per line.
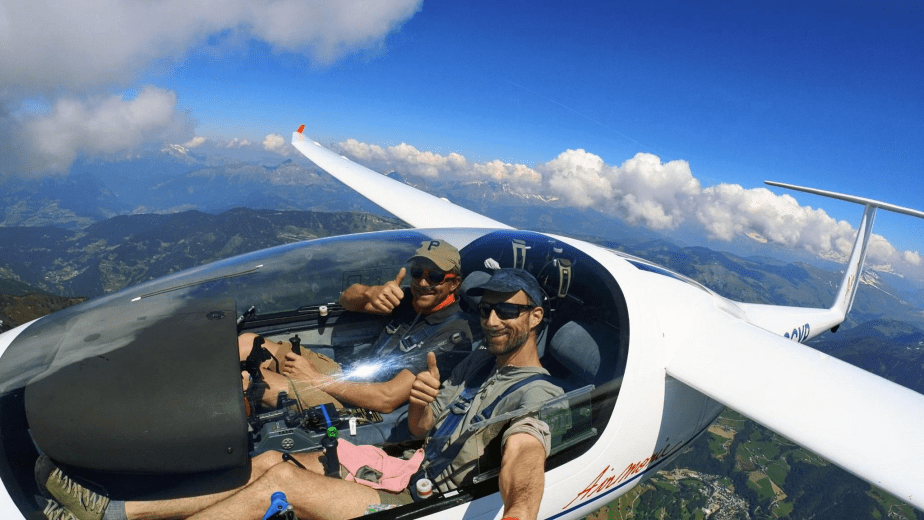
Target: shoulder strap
410,336
460,405
417,337
457,409
392,335
488,411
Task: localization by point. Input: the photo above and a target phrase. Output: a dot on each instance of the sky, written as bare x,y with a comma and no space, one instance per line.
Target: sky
665,114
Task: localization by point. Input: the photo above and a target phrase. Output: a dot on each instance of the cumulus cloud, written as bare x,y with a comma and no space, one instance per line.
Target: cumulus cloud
44,45
581,178
277,144
408,159
100,125
642,190
646,191
195,142
237,143
66,54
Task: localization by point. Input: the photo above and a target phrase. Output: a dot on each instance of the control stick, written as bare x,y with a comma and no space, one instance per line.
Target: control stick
258,354
331,461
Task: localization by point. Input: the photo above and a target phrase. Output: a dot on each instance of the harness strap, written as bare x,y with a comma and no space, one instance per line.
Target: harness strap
398,334
519,253
440,459
488,411
458,408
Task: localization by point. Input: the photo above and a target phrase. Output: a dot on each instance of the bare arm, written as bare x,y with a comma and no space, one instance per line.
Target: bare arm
375,299
382,397
522,476
423,391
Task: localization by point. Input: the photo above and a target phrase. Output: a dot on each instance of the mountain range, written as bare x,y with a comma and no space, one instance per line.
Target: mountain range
129,249
93,231
106,226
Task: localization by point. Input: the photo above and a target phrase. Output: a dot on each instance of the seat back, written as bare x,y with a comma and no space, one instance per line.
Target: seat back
577,347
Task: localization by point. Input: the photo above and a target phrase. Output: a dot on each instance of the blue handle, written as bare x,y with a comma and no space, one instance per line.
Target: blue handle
278,503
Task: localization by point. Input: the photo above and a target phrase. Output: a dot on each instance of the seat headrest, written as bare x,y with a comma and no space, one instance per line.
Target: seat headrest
577,347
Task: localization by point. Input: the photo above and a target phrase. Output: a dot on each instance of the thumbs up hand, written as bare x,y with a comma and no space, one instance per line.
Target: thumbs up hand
427,384
384,298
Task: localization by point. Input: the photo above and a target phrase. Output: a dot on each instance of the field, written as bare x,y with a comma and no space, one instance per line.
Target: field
739,469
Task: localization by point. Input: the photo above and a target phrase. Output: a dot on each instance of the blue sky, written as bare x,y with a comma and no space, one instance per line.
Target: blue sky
742,94
821,95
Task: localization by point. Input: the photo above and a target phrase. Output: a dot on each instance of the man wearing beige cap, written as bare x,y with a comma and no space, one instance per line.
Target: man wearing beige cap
425,318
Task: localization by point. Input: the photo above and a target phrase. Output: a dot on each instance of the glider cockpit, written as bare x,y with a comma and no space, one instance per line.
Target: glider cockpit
140,391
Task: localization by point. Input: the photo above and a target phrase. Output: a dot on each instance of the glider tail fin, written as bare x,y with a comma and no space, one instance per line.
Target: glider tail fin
848,289
851,280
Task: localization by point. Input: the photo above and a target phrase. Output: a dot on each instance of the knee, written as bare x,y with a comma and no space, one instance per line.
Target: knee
264,461
245,344
282,475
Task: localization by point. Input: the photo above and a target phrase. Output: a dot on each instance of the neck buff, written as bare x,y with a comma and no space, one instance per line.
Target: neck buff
445,303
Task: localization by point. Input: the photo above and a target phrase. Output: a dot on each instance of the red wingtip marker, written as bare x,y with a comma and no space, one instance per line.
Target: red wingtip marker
301,129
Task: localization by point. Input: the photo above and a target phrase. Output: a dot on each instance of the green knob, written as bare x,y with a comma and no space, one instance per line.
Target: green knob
332,432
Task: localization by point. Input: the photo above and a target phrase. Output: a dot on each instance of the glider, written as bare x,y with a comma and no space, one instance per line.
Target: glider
139,391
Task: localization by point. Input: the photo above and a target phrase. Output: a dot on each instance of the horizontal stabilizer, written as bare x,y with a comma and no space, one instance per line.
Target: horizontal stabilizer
417,208
850,198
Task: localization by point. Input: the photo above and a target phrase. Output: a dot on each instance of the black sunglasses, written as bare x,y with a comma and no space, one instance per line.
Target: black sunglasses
504,310
434,277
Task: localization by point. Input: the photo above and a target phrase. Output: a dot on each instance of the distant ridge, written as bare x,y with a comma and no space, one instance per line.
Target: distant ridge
129,249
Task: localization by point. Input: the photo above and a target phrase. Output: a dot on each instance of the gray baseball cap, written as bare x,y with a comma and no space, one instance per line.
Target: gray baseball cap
511,280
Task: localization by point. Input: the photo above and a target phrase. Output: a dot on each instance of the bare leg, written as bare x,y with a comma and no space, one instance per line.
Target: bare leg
277,349
275,383
307,394
313,496
183,507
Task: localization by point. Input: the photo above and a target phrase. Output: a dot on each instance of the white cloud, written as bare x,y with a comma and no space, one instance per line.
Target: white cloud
580,178
645,191
55,43
277,144
406,158
326,30
273,143
195,142
65,54
656,194
237,143
101,125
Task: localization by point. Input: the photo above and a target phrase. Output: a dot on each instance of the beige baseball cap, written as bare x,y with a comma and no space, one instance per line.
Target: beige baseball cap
441,253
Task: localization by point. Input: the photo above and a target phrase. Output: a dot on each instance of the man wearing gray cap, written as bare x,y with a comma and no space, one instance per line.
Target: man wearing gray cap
504,376
425,317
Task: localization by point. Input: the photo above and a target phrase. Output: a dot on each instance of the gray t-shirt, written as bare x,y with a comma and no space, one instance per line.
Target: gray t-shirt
462,469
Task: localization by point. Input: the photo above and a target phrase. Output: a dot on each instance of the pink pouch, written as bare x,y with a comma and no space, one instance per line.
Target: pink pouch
396,473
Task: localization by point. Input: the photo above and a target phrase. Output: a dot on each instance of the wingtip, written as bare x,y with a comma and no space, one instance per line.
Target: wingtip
301,129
